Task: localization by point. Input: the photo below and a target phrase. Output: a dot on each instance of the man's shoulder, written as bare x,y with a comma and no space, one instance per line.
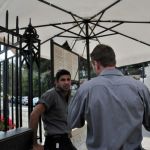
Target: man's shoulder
51,91
89,83
133,80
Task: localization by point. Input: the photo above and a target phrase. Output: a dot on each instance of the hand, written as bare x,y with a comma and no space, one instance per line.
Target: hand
38,147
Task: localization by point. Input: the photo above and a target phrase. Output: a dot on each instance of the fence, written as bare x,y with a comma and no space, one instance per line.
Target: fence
19,54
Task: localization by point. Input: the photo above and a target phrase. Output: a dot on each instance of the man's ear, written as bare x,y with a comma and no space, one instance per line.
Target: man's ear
96,64
98,67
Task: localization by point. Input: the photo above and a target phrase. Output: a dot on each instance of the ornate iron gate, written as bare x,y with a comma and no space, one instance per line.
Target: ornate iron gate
17,53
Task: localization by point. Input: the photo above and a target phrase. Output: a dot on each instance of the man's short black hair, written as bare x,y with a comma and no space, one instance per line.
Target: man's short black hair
61,73
105,54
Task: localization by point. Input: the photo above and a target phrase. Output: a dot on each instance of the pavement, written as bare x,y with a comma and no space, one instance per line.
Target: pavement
146,139
80,134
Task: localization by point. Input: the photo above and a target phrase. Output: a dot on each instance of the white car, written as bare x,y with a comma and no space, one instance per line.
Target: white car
35,100
25,100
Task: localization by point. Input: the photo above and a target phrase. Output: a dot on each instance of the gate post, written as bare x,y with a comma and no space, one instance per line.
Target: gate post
31,53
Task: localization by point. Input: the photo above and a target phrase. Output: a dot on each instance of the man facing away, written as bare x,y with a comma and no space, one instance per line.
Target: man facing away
53,107
115,106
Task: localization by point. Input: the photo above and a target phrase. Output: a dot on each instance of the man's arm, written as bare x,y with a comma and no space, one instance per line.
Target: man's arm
34,119
145,97
146,103
76,110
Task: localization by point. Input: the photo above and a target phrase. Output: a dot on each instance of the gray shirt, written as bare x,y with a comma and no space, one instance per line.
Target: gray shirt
114,106
55,116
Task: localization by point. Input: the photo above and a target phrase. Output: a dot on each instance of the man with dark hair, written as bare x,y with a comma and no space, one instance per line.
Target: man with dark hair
115,106
53,107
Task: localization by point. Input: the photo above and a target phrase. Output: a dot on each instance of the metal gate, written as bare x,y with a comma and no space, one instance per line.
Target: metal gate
19,57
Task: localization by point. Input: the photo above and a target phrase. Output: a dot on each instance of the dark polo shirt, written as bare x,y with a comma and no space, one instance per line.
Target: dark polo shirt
55,116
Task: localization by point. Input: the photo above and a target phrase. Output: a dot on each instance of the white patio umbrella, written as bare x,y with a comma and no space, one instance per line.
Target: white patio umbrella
122,24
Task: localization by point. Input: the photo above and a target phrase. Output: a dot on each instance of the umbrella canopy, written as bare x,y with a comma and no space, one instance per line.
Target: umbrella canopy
122,24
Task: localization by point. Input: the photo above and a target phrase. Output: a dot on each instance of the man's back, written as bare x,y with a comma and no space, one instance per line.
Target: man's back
114,106
114,111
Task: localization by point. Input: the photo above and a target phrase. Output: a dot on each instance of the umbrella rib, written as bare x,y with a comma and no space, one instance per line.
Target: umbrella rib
68,36
97,22
77,38
78,67
105,9
124,21
59,8
46,25
107,21
125,35
9,31
57,35
95,35
109,28
67,30
78,24
105,35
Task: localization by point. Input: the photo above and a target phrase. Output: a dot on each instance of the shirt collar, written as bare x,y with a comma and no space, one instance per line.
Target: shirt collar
112,71
59,90
62,94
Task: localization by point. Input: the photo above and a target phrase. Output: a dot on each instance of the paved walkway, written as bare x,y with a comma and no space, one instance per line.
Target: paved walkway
80,134
146,140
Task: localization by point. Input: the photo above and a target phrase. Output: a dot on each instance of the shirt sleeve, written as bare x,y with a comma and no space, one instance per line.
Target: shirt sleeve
145,97
76,109
47,99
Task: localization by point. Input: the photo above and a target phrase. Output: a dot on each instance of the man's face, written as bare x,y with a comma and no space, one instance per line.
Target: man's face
64,82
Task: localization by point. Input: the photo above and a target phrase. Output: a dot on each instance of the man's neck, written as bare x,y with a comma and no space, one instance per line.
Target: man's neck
109,67
105,68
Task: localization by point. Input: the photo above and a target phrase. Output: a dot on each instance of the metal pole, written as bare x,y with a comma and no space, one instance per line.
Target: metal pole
87,49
